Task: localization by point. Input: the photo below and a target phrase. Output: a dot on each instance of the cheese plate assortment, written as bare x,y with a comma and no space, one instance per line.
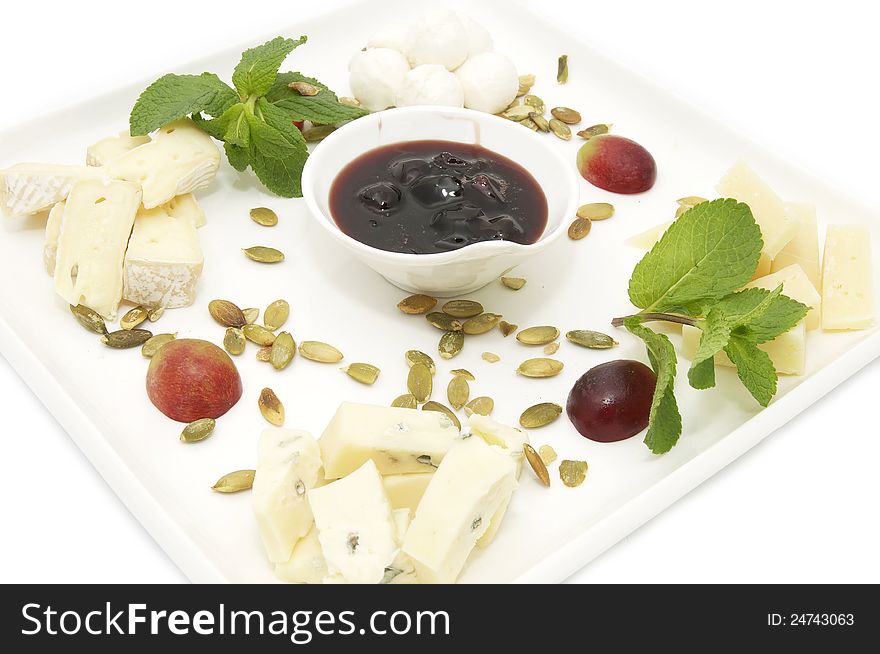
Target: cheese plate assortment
577,309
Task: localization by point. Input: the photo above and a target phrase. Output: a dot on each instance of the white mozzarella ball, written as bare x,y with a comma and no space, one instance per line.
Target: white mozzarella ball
430,84
394,36
478,37
437,38
489,81
375,75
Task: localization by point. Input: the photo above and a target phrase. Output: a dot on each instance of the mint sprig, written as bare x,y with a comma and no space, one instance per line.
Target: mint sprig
254,119
691,276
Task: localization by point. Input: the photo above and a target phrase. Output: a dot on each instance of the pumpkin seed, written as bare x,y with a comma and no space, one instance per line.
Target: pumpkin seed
157,312
283,351
349,102
540,415
481,324
133,318
234,341
547,454
560,129
507,328
264,216
535,102
590,339
458,391
482,406
89,319
551,348
264,354
451,344
596,211
234,482
415,356
154,344
263,254
271,407
562,69
579,228
537,464
573,473
417,304
258,334
363,373
461,372
276,314
445,410
320,352
593,130
518,112
419,382
405,401
444,321
566,115
251,315
463,308
304,88
126,338
540,368
491,357
226,313
540,122
526,82
538,335
198,430
318,133
528,122
685,204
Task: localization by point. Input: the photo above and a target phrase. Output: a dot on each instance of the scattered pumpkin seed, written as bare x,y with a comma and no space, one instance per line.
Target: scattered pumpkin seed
579,228
250,315
318,133
590,339
304,88
482,406
491,357
540,122
593,130
276,314
405,401
458,391
537,464
320,352
566,115
528,122
271,407
264,354
445,410
560,129
513,283
264,216
596,211
258,334
536,103
518,112
416,356
540,368
451,344
685,204
417,304
126,338
155,343
349,102
226,313
157,312
263,254
538,335
481,324
419,382
198,430
551,348
572,473
283,351
463,308
547,453
363,373
461,372
235,482
562,69
133,318
507,328
540,415
89,318
444,321
526,82
234,341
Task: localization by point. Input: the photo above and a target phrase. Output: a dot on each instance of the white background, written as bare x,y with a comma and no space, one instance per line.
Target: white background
800,77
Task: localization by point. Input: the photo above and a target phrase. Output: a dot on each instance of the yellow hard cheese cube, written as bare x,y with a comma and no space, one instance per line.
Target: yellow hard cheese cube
796,286
803,249
847,278
787,352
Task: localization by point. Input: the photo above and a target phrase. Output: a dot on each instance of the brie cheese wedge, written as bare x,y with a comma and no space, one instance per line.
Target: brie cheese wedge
53,230
28,188
108,149
185,206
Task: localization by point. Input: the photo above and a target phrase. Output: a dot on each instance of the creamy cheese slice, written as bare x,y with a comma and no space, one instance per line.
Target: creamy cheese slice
288,467
509,439
95,228
185,206
788,352
164,259
396,440
355,526
112,147
803,249
797,286
53,230
180,158
847,278
28,188
406,491
473,482
306,565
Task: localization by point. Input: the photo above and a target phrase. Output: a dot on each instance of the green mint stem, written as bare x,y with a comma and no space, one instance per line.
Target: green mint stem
649,316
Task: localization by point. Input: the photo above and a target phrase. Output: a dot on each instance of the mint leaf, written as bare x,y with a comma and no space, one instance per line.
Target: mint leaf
174,96
277,162
231,126
754,367
708,252
256,72
321,109
239,158
780,316
282,121
664,424
701,374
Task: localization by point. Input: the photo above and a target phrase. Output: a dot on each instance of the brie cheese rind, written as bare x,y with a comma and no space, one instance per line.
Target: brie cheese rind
472,483
53,229
164,259
95,227
28,188
179,159
288,467
112,147
355,526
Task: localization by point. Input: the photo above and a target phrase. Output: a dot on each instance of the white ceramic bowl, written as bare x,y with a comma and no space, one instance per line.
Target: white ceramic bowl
464,270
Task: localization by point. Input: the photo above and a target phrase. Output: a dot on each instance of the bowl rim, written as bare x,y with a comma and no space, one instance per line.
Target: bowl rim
480,250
